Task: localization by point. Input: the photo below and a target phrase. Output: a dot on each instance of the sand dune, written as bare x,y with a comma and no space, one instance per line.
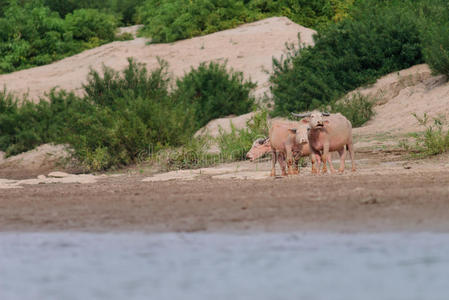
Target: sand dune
248,48
400,94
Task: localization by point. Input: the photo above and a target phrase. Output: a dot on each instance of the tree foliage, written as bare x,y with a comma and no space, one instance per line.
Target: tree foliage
125,10
171,20
434,16
33,35
309,13
376,40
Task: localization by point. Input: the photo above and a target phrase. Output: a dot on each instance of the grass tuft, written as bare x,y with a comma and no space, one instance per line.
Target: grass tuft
357,108
433,141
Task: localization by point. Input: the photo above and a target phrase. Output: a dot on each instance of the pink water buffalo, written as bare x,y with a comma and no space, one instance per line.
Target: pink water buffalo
288,142
259,148
327,133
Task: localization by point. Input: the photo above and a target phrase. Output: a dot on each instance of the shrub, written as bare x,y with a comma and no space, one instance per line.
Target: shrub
29,36
358,109
104,131
235,144
435,139
125,36
232,145
212,92
33,35
133,116
129,131
309,13
88,24
171,20
168,21
435,35
12,125
125,10
134,81
124,117
192,155
377,40
25,125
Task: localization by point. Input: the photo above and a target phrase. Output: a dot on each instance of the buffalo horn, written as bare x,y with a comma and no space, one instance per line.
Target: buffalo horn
301,115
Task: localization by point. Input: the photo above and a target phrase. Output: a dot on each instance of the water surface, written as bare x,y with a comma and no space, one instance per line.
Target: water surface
199,266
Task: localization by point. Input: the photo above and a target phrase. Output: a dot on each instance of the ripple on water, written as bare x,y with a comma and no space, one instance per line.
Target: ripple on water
224,266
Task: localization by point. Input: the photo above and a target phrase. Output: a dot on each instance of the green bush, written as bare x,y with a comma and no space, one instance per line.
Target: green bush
111,137
376,40
88,24
104,131
212,92
134,81
171,20
13,126
30,36
125,10
434,140
232,145
309,13
33,35
124,116
25,125
133,115
435,35
235,144
358,109
192,155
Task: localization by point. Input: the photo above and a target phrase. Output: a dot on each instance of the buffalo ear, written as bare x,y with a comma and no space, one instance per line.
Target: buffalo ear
305,121
292,130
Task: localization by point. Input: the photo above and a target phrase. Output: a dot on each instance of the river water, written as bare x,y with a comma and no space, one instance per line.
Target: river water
216,266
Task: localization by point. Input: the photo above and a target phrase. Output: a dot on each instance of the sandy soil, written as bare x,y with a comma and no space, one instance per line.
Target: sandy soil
400,94
248,48
388,193
41,160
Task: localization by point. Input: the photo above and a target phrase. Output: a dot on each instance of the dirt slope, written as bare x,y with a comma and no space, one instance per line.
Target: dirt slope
41,160
400,94
248,48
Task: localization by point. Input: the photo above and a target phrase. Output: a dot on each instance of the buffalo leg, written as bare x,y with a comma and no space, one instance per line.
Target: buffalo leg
342,153
290,160
315,157
281,159
313,161
296,169
331,166
324,158
273,162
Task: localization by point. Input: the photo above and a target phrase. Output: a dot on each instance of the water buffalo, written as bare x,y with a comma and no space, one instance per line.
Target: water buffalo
259,148
288,142
327,133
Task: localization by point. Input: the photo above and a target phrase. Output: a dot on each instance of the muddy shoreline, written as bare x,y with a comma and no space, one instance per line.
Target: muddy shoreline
354,203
